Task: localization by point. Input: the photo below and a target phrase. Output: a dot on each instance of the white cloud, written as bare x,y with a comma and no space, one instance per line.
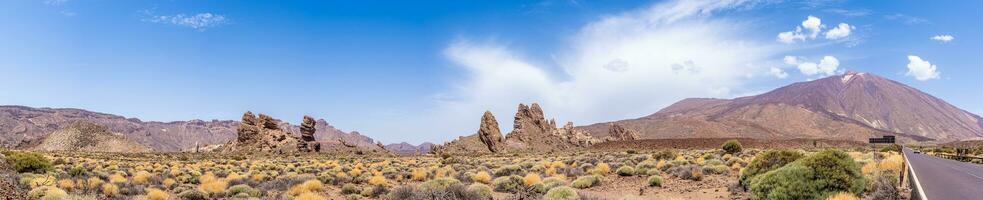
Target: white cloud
814,26
790,37
200,21
943,38
778,73
791,60
828,66
922,70
673,50
840,31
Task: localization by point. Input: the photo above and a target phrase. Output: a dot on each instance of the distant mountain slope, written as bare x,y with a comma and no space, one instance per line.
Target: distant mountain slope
409,149
89,137
22,126
851,106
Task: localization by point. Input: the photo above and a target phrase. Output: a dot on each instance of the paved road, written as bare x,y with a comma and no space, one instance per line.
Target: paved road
943,179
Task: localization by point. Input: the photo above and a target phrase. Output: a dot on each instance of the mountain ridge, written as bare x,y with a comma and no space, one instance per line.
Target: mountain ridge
863,104
22,126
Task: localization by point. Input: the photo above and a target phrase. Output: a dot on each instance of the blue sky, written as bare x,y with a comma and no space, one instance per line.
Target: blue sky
425,71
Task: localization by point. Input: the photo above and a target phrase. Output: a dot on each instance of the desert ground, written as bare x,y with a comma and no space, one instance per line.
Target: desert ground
699,170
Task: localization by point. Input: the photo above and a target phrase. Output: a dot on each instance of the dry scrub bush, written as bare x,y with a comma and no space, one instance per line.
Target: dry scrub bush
602,168
66,184
142,177
530,179
157,194
891,163
481,177
110,189
843,196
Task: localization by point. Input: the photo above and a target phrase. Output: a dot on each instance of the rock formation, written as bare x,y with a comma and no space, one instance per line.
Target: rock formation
489,133
308,143
620,133
262,134
531,133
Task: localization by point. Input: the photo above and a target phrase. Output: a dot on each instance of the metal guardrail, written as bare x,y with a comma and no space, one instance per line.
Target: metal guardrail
964,158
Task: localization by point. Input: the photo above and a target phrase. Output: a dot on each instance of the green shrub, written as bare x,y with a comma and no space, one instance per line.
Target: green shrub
586,182
243,189
482,189
655,181
193,194
716,169
664,155
508,170
561,193
349,188
439,183
815,177
553,182
77,171
732,147
28,162
625,171
767,161
509,184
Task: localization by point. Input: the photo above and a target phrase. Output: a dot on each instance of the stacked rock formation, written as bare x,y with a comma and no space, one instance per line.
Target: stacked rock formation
489,133
617,132
262,134
307,129
531,133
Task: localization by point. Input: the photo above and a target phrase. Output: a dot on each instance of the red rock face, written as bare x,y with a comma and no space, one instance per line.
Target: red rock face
853,106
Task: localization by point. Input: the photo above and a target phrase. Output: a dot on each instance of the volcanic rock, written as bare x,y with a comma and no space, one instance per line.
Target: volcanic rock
308,142
489,133
267,136
620,133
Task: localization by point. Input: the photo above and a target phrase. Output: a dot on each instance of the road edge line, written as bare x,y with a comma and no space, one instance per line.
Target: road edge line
921,191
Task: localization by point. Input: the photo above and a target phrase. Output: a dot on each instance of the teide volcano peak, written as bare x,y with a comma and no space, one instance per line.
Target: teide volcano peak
852,106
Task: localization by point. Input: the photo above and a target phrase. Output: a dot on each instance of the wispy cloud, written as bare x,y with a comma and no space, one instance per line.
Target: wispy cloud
55,2
200,21
906,19
848,12
620,66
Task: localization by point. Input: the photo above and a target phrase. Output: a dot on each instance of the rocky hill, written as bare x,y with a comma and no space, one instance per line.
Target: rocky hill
22,127
531,133
410,149
853,106
89,137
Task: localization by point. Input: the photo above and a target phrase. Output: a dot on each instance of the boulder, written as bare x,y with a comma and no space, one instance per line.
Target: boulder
618,132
